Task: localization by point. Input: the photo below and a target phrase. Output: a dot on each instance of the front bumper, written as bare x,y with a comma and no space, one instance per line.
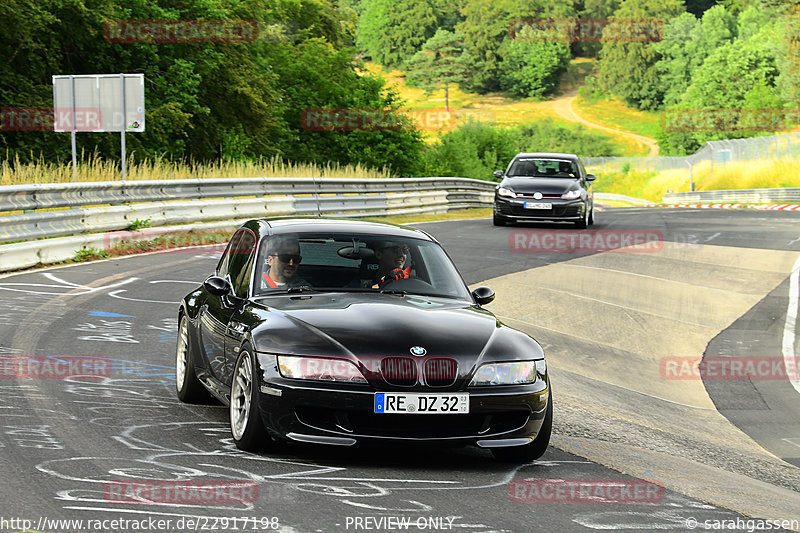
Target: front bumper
343,414
514,209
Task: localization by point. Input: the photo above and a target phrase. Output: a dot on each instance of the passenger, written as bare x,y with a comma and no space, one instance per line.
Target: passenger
283,258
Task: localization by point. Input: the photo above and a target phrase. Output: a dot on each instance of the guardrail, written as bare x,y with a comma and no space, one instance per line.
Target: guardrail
115,206
736,196
85,210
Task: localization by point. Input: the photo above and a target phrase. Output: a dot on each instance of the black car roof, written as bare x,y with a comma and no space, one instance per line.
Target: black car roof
546,155
278,226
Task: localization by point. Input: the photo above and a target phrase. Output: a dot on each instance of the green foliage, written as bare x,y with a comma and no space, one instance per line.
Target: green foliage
205,101
139,224
531,66
628,69
89,254
441,62
594,9
392,31
486,25
477,149
686,44
736,76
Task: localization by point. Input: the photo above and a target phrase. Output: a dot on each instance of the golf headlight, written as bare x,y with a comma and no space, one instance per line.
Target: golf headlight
508,193
571,194
516,373
319,369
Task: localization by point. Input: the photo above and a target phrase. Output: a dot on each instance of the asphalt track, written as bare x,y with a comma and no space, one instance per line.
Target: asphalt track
719,284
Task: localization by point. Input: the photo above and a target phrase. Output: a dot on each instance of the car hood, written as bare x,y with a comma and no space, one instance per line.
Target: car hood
373,325
548,186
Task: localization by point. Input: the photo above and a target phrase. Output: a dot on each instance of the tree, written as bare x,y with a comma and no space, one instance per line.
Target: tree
530,65
686,44
628,68
441,62
487,24
392,31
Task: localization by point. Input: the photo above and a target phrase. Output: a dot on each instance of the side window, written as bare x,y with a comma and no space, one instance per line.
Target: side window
240,262
224,262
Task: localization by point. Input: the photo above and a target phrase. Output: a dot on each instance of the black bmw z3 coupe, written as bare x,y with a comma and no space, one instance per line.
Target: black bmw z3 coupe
544,187
340,332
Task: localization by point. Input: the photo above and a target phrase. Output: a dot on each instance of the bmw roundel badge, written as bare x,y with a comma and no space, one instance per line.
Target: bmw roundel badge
419,351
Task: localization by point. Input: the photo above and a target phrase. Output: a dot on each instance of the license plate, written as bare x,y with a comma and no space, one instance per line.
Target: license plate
421,404
537,205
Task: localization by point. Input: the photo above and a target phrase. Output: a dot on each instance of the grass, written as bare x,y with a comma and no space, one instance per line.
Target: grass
15,172
613,113
492,107
652,185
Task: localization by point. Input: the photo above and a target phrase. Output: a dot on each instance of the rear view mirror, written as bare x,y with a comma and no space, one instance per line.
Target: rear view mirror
498,174
590,177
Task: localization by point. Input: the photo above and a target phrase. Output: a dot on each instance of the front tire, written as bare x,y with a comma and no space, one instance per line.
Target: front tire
188,387
591,217
529,452
247,428
583,223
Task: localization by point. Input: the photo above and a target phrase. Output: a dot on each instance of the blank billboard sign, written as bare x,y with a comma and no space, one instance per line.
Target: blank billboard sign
99,102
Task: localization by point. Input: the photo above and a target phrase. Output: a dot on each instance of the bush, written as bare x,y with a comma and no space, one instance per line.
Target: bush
477,149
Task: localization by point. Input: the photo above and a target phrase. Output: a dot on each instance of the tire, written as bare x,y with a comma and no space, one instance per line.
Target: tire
583,223
246,425
591,217
498,221
529,452
188,387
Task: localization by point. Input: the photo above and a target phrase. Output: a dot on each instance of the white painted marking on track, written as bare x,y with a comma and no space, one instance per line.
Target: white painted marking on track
793,440
713,236
115,294
789,357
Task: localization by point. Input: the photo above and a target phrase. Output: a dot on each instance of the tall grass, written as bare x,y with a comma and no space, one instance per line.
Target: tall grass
737,175
15,172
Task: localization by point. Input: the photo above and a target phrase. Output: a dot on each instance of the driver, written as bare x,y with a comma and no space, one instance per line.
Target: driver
391,256
282,262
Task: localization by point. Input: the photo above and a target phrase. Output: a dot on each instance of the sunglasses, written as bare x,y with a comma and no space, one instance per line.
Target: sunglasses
285,258
397,249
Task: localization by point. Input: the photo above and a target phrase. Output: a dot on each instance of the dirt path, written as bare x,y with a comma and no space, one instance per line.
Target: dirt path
565,107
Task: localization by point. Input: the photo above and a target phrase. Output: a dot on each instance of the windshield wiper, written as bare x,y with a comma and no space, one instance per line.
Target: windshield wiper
393,291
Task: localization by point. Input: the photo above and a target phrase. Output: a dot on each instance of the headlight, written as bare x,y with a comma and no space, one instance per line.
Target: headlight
516,373
508,193
319,369
572,194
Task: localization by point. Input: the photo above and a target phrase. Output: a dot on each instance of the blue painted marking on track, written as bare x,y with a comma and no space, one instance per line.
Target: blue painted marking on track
109,315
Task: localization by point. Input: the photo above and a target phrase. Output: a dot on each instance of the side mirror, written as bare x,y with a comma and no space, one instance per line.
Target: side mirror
217,286
498,174
590,177
483,295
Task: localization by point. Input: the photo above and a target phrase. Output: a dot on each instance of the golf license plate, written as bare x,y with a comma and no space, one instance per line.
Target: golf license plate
538,205
421,404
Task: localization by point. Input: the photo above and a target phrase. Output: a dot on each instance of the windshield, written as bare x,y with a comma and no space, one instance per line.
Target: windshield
555,168
353,263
